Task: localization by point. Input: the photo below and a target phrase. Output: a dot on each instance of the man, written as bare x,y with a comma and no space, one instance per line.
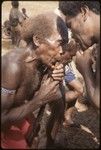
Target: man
16,19
6,28
83,18
24,87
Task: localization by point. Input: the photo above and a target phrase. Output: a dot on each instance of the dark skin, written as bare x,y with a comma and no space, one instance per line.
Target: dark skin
17,99
93,88
18,66
16,109
85,27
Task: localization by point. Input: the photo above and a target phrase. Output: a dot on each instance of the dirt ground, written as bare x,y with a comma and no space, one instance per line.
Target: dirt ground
87,135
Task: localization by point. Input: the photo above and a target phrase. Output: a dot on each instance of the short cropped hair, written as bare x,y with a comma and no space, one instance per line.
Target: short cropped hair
72,8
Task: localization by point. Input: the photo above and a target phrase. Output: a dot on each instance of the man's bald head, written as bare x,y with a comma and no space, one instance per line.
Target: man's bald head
42,26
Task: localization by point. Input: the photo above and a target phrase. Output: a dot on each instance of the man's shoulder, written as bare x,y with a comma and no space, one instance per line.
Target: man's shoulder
11,62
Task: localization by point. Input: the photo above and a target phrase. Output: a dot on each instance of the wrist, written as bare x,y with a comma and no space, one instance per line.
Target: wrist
36,101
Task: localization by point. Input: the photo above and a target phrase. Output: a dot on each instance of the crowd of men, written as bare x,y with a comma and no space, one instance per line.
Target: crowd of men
34,76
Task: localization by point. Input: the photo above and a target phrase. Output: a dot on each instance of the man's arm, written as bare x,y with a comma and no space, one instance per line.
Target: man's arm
92,84
75,92
12,114
11,79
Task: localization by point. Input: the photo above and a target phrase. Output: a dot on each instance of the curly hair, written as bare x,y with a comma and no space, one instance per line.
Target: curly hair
42,26
72,8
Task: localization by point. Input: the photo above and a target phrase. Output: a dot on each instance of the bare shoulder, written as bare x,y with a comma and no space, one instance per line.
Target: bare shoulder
12,70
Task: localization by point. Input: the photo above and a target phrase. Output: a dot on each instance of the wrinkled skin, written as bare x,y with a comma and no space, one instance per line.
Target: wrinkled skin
25,68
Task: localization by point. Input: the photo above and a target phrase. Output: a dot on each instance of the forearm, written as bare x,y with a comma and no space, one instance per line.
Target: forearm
71,95
19,113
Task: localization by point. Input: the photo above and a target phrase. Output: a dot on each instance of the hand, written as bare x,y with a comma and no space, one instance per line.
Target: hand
84,60
58,72
49,91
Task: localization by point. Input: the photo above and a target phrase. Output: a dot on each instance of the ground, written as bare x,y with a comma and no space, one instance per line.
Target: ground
87,135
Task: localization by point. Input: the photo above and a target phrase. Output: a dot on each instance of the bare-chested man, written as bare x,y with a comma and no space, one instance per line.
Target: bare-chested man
83,18
16,19
22,74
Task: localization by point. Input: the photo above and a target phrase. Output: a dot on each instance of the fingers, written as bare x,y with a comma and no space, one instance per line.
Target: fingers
50,82
59,75
58,71
58,79
57,66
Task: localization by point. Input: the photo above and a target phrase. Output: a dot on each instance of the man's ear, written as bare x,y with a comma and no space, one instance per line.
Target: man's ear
36,40
85,12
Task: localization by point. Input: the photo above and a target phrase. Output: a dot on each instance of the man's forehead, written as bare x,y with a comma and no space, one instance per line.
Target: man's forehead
53,39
